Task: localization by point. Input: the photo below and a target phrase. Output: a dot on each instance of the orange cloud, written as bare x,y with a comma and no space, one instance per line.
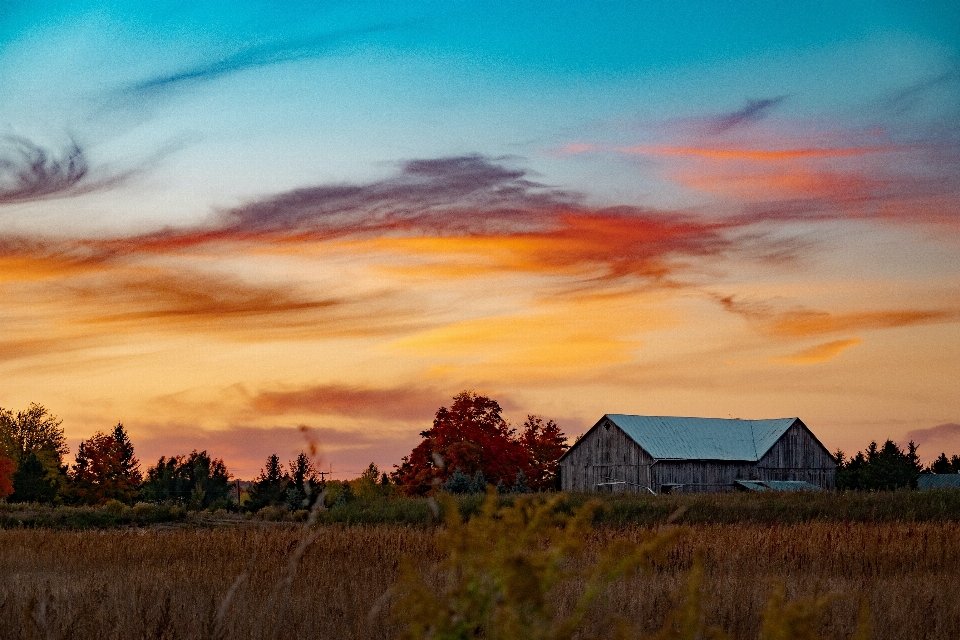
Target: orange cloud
799,323
759,155
779,175
809,323
819,353
396,403
605,244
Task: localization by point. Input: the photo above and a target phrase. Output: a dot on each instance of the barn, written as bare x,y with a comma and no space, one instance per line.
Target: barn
659,454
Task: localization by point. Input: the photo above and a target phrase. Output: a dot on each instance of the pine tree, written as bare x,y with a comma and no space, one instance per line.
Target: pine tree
941,465
270,487
458,482
32,483
479,484
520,484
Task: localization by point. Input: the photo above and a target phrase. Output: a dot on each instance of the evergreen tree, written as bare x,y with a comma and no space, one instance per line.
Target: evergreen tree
879,468
346,494
520,484
304,485
458,482
479,484
942,465
196,480
32,482
270,487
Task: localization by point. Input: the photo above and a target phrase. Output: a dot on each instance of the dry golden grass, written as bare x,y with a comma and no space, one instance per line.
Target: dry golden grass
229,582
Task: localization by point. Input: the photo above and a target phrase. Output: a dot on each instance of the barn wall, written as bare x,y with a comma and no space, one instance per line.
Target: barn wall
603,455
701,476
798,455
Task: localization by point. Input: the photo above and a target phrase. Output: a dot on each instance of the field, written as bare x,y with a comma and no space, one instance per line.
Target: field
249,579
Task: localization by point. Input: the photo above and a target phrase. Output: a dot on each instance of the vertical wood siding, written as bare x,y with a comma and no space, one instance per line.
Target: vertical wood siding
702,476
605,455
798,455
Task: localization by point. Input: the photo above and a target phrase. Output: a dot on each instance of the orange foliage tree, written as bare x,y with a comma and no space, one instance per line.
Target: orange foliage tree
472,436
543,443
106,469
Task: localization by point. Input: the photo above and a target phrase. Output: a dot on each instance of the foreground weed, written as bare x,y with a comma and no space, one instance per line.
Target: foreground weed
502,570
502,565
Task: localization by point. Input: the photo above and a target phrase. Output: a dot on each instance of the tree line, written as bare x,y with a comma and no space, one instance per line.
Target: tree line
469,447
887,468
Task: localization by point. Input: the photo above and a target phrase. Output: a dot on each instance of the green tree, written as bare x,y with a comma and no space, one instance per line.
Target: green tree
38,433
458,482
879,468
941,465
304,486
197,480
270,487
32,482
370,484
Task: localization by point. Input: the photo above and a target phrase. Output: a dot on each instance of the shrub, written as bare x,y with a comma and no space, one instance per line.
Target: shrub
273,513
114,507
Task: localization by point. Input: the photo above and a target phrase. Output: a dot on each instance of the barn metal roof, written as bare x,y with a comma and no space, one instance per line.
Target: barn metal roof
666,437
938,481
776,485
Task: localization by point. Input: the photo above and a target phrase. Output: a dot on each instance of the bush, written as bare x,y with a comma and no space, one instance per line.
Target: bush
273,513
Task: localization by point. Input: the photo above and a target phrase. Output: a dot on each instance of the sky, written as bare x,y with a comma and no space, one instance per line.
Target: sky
246,227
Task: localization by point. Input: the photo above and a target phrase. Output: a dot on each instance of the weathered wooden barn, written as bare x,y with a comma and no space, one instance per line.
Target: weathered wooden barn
668,454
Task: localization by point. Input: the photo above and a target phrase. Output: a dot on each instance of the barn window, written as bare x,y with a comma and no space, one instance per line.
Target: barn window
606,425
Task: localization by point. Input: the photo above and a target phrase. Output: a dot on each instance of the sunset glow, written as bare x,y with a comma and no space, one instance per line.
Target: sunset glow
221,224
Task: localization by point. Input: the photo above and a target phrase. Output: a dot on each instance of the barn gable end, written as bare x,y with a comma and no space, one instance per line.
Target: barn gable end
605,455
799,455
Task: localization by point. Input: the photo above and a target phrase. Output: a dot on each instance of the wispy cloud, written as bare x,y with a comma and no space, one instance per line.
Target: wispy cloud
253,57
30,172
393,403
819,353
913,95
468,205
790,170
751,112
799,322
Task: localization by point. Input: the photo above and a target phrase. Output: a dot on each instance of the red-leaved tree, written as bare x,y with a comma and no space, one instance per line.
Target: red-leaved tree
7,467
106,469
472,436
543,443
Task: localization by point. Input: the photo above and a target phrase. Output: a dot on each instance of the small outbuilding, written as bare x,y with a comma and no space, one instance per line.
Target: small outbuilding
660,454
931,481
